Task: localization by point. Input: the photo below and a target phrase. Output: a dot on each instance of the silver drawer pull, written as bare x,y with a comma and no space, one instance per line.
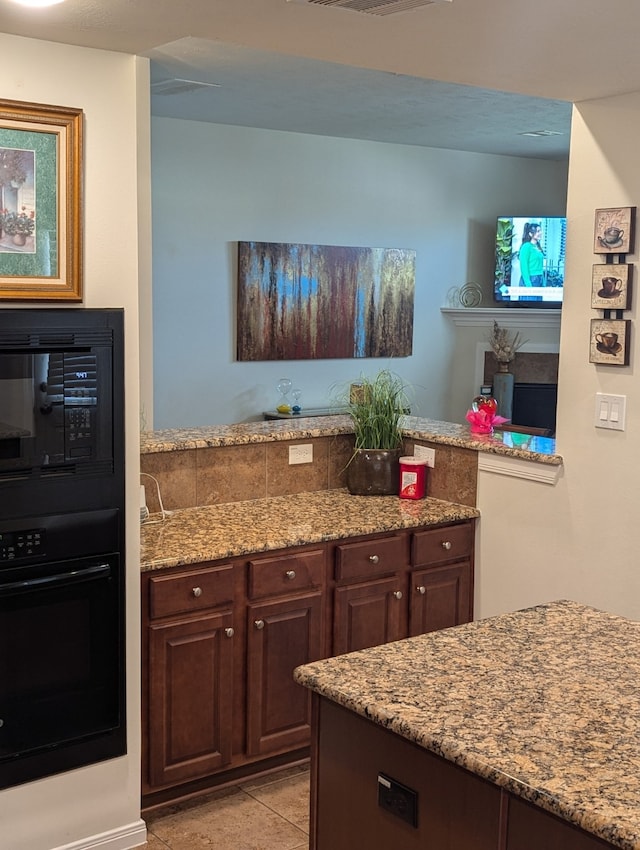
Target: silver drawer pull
229,632
397,594
421,589
446,544
197,591
259,624
290,574
374,559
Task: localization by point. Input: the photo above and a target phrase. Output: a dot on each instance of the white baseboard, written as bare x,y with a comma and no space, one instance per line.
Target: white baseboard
123,838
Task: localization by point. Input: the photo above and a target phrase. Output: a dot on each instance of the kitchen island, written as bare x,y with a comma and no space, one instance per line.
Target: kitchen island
521,731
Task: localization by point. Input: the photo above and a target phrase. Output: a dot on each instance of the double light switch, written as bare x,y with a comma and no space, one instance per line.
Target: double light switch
610,411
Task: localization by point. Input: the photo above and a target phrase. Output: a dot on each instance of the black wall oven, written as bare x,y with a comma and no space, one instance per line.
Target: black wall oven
62,588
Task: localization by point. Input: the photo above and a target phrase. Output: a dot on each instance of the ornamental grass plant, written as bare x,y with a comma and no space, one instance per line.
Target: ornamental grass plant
376,407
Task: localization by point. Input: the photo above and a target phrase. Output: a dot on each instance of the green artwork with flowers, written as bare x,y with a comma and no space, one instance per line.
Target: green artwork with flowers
28,203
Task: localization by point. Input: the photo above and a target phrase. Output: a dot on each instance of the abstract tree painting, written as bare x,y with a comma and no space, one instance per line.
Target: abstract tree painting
302,302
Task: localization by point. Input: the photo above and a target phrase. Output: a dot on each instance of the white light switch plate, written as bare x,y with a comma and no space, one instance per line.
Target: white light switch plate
610,411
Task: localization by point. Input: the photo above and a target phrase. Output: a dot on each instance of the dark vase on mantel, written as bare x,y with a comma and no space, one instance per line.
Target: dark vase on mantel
503,389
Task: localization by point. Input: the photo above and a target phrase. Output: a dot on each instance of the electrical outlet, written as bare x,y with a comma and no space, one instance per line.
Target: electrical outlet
301,454
425,453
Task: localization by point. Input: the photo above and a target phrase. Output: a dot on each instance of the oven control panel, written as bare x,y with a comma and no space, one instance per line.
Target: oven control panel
22,544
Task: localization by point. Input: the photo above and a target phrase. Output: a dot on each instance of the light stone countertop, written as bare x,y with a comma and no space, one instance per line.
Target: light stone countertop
543,702
511,444
213,532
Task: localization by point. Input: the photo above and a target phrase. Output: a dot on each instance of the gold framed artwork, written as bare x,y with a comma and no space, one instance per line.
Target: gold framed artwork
611,286
613,233
609,343
40,202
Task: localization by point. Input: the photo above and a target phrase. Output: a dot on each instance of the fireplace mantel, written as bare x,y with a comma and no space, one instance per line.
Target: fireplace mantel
507,317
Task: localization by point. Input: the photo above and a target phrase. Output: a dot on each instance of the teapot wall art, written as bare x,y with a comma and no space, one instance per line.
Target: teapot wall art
614,230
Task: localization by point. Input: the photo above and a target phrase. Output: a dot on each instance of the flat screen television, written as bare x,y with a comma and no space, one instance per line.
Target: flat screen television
530,258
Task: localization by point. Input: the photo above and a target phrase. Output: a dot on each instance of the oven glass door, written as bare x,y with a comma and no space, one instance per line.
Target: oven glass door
60,637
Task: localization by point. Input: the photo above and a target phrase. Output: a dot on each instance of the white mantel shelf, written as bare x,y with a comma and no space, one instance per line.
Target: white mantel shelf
507,317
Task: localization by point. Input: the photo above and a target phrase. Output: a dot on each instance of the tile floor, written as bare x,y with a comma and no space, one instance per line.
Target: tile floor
269,813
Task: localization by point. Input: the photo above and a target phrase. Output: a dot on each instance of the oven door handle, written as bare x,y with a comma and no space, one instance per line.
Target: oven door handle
59,580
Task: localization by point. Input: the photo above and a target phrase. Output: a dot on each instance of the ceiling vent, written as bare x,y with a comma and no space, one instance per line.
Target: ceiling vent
178,86
373,7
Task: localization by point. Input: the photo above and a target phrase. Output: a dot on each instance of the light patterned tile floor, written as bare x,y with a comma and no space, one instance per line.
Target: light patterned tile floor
269,813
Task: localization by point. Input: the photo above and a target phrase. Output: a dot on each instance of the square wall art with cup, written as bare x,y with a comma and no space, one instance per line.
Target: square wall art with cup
614,230
609,343
611,286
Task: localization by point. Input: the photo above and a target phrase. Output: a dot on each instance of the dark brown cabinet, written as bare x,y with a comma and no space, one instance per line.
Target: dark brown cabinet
439,598
190,732
221,641
530,828
283,631
281,636
441,580
394,586
368,614
454,808
189,698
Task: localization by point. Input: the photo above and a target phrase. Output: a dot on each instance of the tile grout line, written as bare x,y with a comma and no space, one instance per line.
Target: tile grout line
280,815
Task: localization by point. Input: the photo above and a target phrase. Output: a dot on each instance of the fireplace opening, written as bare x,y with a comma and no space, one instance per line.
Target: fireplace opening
534,406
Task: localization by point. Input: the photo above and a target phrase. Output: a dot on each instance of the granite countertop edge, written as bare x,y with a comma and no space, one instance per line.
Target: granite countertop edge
600,797
530,448
216,532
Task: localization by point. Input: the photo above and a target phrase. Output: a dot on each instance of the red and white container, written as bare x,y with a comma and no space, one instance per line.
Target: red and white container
413,478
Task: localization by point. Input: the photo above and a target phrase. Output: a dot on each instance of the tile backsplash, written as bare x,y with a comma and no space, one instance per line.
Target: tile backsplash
210,476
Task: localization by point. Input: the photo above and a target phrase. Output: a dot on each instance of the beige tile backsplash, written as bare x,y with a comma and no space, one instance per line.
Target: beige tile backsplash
211,476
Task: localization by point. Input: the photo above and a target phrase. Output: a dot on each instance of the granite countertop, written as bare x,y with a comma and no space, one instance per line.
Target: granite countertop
543,702
524,446
209,533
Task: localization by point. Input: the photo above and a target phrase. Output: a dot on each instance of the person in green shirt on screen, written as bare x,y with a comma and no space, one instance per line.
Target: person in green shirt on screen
531,258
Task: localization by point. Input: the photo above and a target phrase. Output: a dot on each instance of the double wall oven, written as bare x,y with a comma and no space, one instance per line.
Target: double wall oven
62,636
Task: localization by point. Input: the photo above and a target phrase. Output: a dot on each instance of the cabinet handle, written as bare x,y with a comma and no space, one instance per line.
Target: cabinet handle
446,544
421,589
229,632
290,574
397,594
197,591
374,559
259,624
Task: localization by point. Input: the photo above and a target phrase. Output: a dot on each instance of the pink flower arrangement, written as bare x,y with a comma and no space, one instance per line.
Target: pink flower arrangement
482,421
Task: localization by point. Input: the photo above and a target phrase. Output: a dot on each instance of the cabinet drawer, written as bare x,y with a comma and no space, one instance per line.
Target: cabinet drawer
286,574
373,557
177,594
437,545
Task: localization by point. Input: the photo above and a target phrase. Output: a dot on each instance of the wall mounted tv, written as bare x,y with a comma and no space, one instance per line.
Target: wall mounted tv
530,257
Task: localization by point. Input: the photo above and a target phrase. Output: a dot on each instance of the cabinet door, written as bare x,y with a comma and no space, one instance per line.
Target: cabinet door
280,636
369,614
190,697
440,597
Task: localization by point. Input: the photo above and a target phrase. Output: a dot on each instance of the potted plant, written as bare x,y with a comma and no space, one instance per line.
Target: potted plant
376,406
17,225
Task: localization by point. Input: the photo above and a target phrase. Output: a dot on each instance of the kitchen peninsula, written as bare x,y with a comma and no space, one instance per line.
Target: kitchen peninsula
519,732
260,566
228,463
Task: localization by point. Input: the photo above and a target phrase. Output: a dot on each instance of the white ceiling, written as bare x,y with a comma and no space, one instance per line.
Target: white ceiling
469,74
